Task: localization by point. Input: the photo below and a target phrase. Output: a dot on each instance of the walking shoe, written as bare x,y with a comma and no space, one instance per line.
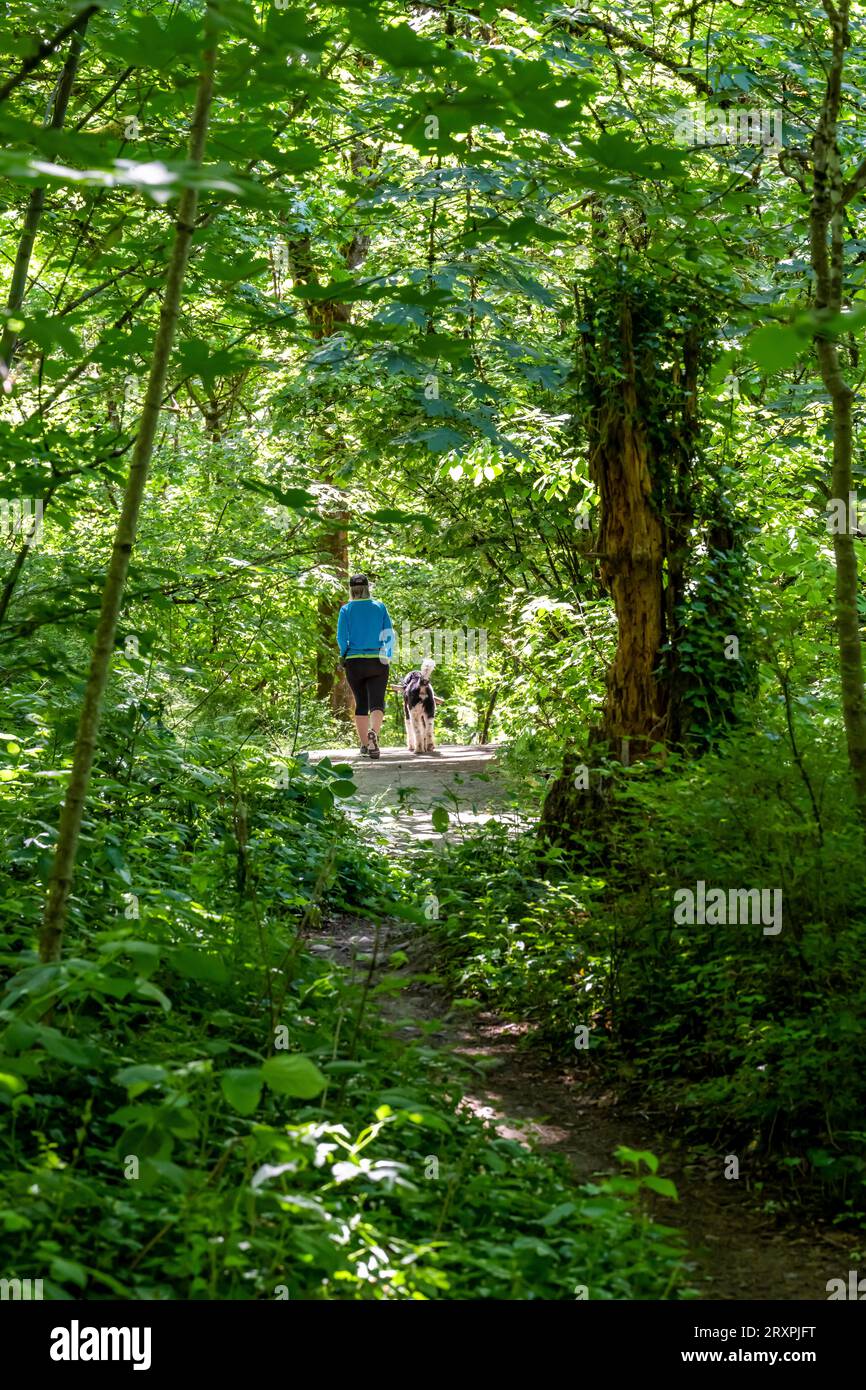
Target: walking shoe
365,752
373,744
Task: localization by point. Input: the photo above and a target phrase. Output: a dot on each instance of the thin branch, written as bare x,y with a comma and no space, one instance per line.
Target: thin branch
45,49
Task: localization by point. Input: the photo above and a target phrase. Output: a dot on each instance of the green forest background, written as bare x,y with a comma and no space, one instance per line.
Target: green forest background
479,301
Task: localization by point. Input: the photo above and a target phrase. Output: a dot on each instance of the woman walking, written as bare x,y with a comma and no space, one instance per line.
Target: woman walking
365,638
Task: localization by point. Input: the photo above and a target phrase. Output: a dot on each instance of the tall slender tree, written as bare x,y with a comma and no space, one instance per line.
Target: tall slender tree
830,195
60,882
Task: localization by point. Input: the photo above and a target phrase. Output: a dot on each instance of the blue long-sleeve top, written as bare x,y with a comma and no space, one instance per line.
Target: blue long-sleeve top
364,629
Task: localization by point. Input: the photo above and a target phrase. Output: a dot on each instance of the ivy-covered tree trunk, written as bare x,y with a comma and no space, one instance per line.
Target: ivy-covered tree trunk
827,254
60,882
630,540
640,358
642,353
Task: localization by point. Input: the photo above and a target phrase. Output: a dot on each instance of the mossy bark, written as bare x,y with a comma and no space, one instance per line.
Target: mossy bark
636,384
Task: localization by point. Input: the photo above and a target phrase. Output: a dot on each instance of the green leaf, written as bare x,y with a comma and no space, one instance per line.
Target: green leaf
558,1214
293,1076
65,1049
68,1272
664,1186
440,440
48,331
142,1075
774,347
242,1088
156,1170
295,498
198,964
407,912
441,819
637,1156
149,991
14,1221
398,45
389,515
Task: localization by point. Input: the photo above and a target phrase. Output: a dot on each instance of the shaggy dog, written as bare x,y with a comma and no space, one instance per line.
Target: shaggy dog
419,709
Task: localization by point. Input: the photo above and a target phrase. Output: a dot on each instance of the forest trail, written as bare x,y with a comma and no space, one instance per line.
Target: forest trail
736,1250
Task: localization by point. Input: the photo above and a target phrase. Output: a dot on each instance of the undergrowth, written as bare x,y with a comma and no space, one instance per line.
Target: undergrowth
754,1040
200,1104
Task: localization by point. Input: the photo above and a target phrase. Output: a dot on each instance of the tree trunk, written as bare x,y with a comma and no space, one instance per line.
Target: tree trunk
325,317
60,883
677,524
21,559
36,202
331,683
827,253
641,355
21,269
630,544
46,47
17,569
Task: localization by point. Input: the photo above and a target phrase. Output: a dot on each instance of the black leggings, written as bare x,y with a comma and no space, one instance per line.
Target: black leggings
368,678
